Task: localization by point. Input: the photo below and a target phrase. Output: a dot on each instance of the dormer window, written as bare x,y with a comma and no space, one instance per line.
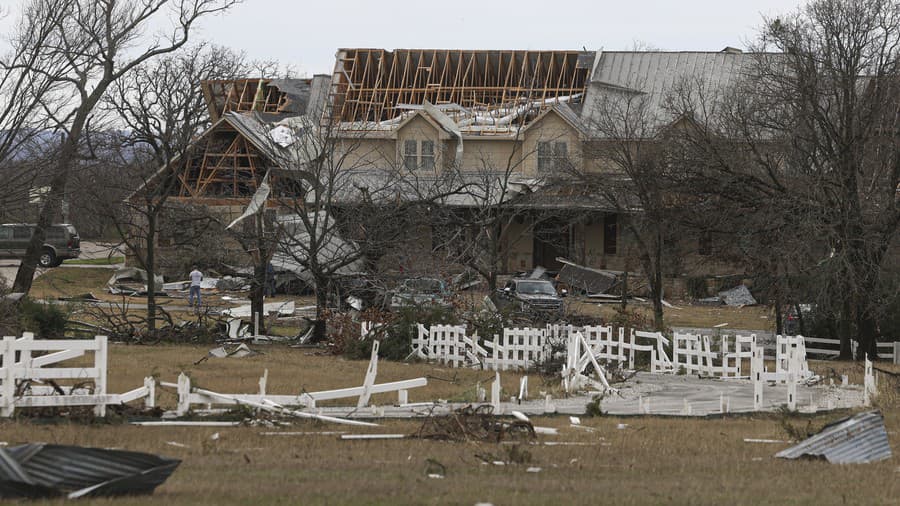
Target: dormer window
551,156
418,155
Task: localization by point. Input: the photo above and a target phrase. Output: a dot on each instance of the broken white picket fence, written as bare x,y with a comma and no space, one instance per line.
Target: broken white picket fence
695,354
523,348
189,396
27,361
449,344
791,368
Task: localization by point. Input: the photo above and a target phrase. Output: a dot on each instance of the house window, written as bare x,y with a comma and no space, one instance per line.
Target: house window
410,155
426,153
418,155
610,234
551,156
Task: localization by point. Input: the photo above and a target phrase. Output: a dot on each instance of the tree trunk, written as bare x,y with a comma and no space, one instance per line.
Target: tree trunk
801,325
49,211
150,267
67,156
779,315
866,329
257,284
656,296
844,331
319,325
656,283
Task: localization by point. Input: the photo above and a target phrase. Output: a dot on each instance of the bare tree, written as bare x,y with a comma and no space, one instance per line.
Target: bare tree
485,217
812,129
93,43
162,109
350,205
628,172
26,80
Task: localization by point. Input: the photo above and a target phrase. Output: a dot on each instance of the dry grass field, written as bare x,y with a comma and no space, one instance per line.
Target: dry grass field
651,461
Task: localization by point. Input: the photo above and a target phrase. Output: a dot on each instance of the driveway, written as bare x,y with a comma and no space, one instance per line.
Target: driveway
89,249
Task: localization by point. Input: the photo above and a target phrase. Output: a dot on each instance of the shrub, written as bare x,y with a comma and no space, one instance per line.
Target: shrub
44,319
696,287
396,342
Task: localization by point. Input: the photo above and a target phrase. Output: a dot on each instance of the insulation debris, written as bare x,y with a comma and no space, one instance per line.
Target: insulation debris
282,308
737,296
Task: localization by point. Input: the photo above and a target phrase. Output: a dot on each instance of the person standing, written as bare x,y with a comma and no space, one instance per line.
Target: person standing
196,278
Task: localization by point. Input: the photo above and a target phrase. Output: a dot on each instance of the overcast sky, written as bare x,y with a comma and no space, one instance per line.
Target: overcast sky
306,34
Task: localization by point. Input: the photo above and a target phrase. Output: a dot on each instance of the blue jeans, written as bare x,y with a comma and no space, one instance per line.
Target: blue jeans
195,291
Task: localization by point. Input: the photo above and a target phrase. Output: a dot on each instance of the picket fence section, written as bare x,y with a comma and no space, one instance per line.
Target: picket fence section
27,361
696,354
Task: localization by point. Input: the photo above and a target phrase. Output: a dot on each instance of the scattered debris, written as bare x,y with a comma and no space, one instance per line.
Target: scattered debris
82,297
435,469
710,301
351,437
133,281
585,279
43,471
240,351
764,441
859,439
184,423
737,296
473,424
282,308
319,433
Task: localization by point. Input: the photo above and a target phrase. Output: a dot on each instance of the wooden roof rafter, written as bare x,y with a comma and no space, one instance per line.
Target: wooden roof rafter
368,84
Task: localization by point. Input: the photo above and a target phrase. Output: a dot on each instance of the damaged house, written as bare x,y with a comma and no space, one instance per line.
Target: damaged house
470,132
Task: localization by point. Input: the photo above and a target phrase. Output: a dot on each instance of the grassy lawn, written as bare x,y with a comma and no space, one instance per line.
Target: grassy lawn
651,461
687,315
95,261
70,282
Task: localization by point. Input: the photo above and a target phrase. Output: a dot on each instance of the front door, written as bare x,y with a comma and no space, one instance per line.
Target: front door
552,239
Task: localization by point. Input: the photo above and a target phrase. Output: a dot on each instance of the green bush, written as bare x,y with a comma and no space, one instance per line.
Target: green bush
47,321
397,341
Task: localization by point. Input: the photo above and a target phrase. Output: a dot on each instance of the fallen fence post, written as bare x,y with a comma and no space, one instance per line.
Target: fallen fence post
371,372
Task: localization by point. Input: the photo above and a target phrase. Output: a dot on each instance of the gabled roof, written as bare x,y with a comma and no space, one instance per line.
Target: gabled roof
654,75
296,142
563,111
421,113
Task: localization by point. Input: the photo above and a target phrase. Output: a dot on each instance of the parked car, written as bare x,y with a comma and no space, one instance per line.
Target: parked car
61,242
420,291
531,295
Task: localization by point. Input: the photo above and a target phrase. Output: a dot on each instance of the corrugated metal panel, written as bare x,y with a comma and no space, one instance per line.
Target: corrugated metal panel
39,470
856,440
